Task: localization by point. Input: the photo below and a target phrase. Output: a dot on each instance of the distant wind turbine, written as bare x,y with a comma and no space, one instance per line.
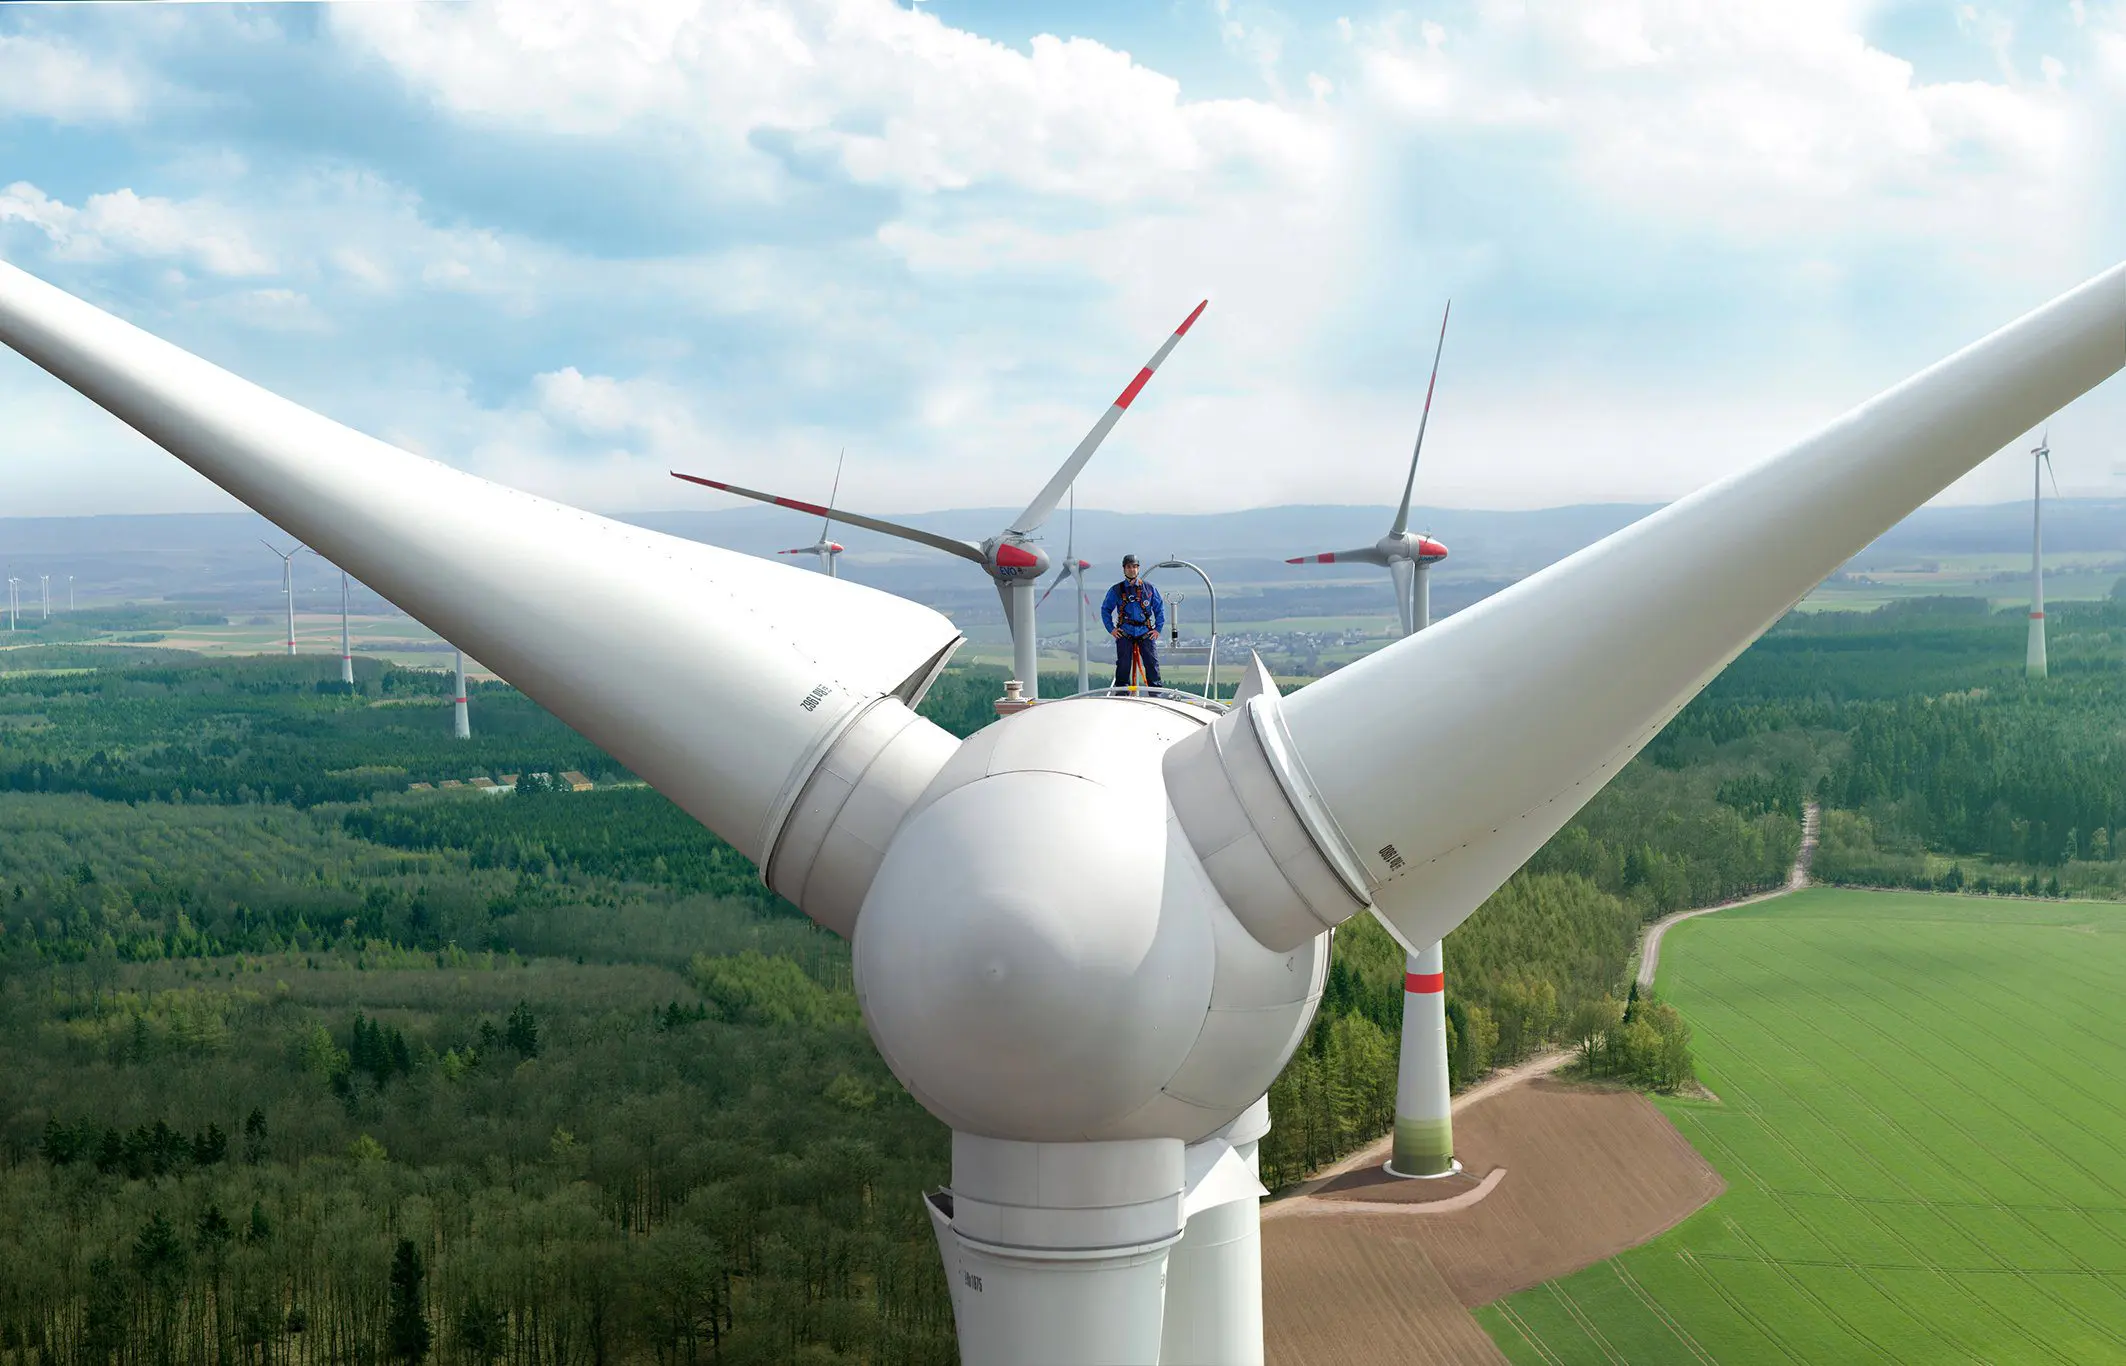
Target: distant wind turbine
460,720
287,583
1074,569
2041,464
827,552
346,636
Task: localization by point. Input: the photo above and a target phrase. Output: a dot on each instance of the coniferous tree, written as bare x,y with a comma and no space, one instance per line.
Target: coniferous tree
406,1323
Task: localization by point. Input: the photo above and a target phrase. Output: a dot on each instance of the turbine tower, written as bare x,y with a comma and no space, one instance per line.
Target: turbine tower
1424,1105
460,719
44,590
1089,936
1074,569
346,637
346,632
2040,465
827,552
287,583
14,604
1013,558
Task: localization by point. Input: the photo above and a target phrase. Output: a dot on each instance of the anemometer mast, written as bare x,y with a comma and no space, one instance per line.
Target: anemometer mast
1088,937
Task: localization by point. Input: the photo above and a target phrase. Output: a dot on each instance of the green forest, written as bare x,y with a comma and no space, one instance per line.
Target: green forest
304,1067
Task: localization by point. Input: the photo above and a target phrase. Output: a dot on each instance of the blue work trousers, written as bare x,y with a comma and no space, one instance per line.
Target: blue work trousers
1139,655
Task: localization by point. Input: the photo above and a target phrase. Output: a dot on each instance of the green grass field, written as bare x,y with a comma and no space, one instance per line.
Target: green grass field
1922,1124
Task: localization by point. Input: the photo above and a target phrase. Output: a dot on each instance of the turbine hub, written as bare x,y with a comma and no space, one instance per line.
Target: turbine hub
1038,953
1012,561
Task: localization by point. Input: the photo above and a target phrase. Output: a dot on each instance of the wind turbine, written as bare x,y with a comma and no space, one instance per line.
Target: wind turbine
1013,558
346,632
1408,556
460,718
287,583
14,604
1074,569
827,552
1088,937
2041,464
1424,1108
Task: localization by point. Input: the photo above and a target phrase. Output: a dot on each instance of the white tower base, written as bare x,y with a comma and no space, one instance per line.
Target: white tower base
1424,1111
1057,1252
1214,1274
2034,659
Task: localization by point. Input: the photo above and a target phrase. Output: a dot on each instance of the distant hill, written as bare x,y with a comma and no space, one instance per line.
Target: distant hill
216,560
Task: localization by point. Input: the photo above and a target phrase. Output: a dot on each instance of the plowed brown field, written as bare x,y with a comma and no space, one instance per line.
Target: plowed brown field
1588,1174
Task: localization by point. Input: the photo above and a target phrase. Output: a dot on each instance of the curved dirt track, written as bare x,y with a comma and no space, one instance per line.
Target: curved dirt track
1796,879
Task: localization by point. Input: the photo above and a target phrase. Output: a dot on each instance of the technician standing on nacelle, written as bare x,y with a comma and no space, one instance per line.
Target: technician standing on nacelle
1134,614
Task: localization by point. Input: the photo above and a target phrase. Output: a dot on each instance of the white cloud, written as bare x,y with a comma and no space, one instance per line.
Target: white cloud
47,80
124,224
1751,119
891,96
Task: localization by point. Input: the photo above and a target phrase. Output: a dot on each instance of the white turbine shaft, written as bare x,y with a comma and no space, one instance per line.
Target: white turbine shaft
346,637
288,592
44,590
726,708
1519,709
1214,1274
1424,1111
70,592
460,720
1025,647
2034,656
1423,1143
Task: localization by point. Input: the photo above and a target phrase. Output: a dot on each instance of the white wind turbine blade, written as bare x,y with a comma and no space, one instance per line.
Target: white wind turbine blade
719,677
1518,710
1402,514
949,545
1045,502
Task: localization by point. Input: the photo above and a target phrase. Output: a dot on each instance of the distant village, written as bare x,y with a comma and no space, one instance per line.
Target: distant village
570,781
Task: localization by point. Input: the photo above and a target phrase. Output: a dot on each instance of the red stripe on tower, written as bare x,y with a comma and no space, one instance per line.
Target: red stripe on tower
1424,983
1136,386
2037,616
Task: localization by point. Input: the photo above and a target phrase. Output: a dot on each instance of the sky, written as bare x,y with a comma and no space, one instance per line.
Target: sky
573,246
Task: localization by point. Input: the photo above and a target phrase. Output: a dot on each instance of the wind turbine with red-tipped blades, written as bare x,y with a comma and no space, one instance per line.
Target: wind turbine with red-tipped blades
1012,558
1424,1113
1406,555
825,551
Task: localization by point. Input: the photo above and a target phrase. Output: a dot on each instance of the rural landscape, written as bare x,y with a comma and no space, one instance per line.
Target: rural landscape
958,683
305,1065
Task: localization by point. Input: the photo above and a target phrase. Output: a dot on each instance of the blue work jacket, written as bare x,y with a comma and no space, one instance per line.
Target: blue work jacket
1136,608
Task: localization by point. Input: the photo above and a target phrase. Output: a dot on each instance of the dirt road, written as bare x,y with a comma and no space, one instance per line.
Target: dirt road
1796,879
